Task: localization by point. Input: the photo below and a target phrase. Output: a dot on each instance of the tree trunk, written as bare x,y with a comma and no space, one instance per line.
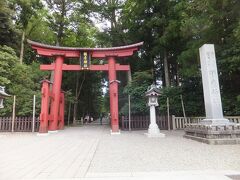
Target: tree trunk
113,21
75,105
113,17
77,95
22,48
75,113
166,71
177,75
61,24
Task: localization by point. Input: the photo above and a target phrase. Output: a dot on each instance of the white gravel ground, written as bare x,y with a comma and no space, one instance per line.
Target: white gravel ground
90,151
133,151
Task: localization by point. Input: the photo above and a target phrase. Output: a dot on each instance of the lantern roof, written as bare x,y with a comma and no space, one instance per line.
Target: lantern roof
153,91
2,92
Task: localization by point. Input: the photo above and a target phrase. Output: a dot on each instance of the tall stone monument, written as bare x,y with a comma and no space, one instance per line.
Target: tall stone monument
214,129
212,97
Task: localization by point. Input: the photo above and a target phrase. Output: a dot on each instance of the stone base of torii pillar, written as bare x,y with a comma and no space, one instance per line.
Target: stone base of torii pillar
115,133
153,130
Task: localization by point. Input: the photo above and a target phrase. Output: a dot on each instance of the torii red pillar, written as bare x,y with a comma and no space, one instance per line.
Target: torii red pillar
56,117
44,107
61,112
113,92
56,93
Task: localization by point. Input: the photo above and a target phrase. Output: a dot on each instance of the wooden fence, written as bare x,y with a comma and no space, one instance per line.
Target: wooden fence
179,122
24,124
142,122
21,124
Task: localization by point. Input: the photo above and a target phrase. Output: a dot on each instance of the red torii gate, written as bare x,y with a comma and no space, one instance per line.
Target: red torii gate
55,120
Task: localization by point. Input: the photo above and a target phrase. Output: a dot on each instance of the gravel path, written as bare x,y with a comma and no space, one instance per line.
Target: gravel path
91,151
133,151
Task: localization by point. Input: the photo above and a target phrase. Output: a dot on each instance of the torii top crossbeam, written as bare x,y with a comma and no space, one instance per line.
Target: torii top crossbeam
72,52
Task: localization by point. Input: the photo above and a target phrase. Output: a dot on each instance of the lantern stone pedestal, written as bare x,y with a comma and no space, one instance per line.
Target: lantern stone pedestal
153,130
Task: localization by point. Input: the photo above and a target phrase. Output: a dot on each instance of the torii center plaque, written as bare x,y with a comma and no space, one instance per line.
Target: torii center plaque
212,97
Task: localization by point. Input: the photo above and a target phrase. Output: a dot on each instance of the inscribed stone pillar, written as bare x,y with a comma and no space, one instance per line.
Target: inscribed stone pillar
212,98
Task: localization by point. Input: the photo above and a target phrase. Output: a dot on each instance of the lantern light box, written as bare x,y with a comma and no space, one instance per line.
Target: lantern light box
3,95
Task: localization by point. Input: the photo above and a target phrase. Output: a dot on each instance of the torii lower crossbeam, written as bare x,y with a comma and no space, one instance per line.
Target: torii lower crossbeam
66,67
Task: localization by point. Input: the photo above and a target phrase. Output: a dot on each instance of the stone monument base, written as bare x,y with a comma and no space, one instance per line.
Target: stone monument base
222,121
214,134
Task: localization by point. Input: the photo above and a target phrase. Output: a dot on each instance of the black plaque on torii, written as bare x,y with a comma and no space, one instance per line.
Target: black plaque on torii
85,60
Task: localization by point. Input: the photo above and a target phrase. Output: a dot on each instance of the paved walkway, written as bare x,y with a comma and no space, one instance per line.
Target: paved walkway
90,152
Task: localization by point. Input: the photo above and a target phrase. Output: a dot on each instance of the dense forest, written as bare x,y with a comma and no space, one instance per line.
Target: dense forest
172,31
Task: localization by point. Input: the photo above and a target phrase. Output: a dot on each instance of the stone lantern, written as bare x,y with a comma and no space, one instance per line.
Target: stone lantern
3,95
152,93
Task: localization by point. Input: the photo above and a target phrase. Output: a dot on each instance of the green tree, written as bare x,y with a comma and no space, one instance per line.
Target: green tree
8,60
137,89
157,24
25,9
8,34
215,22
59,18
20,80
109,12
